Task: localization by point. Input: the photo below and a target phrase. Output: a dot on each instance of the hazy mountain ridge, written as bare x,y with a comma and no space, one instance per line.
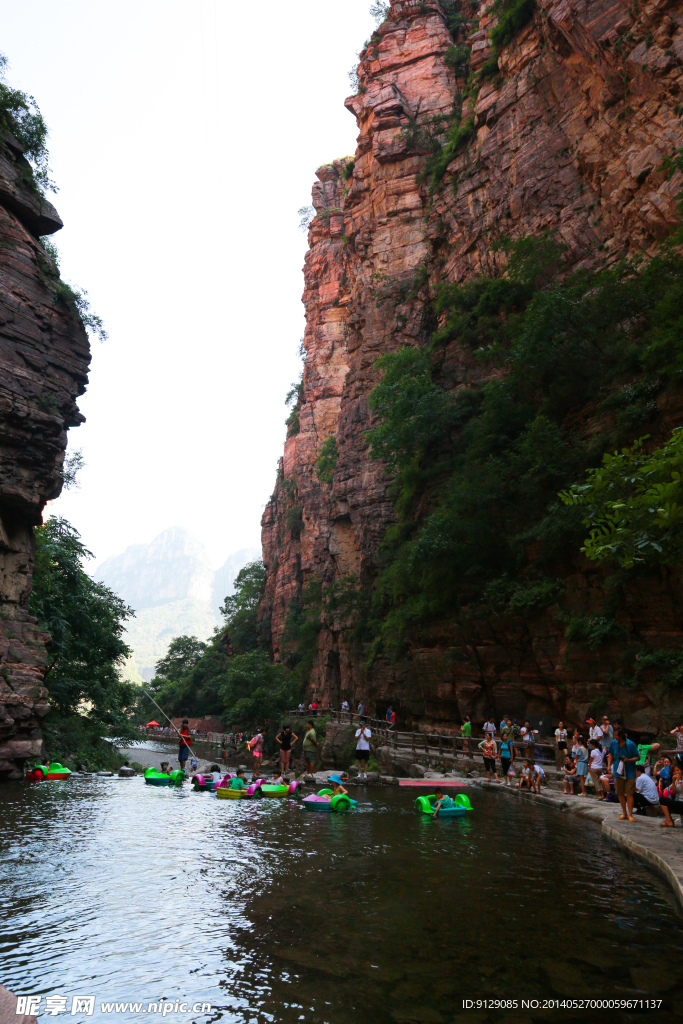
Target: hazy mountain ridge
174,591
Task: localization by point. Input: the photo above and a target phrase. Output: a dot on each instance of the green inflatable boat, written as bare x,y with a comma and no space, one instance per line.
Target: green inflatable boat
324,801
459,805
153,777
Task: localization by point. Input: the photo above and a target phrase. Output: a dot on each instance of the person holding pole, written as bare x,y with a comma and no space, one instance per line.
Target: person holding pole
185,742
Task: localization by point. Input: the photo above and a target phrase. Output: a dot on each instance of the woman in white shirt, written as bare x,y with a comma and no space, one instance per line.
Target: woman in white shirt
596,762
561,742
363,747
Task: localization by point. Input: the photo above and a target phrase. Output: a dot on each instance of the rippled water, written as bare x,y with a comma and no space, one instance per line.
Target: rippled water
271,913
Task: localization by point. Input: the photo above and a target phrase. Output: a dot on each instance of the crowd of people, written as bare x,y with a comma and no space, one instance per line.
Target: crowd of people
642,778
633,773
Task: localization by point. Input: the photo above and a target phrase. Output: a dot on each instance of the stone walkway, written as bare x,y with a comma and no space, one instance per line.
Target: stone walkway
661,848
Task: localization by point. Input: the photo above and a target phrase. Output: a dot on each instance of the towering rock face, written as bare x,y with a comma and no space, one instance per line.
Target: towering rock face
44,357
570,137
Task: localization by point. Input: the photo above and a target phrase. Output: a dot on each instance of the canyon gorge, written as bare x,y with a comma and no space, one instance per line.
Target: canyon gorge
560,129
44,359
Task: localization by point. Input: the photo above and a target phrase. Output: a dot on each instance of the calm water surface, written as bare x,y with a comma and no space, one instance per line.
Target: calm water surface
272,913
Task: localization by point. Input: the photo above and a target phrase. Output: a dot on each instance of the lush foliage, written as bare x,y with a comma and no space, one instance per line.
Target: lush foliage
326,463
240,609
512,16
633,505
19,115
232,676
86,622
478,467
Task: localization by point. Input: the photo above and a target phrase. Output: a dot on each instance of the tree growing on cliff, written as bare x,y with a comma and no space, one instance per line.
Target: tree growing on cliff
20,117
86,621
633,505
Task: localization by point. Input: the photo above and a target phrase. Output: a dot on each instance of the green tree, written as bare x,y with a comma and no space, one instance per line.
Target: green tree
86,621
240,609
256,690
183,654
20,117
634,505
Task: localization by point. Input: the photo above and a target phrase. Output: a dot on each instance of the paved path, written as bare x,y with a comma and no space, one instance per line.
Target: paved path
661,848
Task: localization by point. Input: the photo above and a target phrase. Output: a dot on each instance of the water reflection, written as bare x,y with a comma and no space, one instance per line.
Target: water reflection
274,913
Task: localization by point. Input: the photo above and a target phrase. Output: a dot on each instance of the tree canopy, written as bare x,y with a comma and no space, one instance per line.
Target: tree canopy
86,622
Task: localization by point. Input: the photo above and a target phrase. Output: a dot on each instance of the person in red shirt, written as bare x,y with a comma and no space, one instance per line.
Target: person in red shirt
185,742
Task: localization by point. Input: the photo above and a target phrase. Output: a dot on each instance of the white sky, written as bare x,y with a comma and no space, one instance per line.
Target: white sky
183,138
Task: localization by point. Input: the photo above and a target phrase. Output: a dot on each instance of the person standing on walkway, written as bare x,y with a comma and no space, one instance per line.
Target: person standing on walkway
596,761
466,731
560,742
310,747
607,734
623,755
490,751
285,738
361,708
582,765
678,733
507,756
527,739
594,730
490,728
363,746
185,742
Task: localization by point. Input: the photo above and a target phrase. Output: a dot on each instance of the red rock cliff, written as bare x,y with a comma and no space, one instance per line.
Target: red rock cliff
44,357
571,141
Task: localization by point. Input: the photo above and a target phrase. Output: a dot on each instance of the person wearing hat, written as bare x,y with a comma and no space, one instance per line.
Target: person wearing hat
337,787
594,730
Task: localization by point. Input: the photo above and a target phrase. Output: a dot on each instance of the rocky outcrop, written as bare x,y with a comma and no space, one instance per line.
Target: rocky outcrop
44,357
570,136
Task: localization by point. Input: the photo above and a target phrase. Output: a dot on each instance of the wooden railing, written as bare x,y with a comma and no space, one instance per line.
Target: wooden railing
444,745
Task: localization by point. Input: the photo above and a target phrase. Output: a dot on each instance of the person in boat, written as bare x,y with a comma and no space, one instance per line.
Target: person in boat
163,768
285,738
238,781
278,779
337,787
214,773
442,801
185,742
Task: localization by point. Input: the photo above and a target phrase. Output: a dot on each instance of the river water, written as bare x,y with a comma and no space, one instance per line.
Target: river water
272,913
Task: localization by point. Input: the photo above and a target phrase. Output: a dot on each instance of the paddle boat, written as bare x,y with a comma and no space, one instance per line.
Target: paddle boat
205,784
460,806
224,792
288,789
47,772
153,777
325,801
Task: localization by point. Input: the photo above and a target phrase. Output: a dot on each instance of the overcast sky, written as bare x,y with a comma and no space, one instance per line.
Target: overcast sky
183,138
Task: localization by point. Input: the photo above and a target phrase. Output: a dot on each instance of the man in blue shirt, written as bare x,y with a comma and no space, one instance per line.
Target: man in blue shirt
622,757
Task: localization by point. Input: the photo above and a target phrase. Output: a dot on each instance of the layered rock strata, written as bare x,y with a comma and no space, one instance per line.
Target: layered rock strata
570,136
44,357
